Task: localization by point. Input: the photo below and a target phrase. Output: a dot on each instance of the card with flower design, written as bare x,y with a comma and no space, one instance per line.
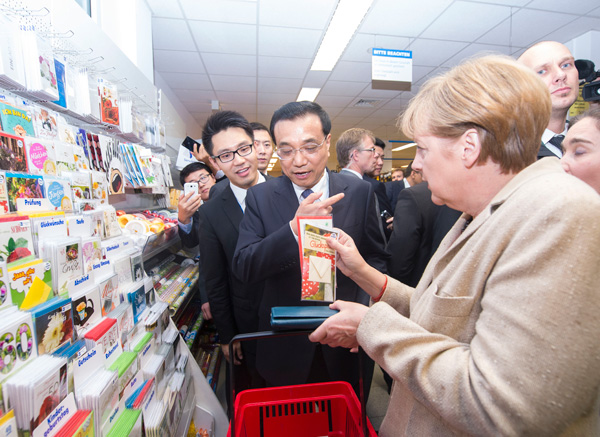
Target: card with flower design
16,240
23,186
53,323
91,253
12,153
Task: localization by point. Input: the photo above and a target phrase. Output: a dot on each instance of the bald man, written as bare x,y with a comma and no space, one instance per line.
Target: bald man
555,65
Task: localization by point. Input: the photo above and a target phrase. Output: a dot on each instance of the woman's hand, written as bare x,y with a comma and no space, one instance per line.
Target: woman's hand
340,329
348,259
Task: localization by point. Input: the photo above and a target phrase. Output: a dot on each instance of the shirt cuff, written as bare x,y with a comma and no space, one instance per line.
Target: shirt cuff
186,227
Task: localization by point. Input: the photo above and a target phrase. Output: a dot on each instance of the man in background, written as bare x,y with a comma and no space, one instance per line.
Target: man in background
397,174
263,144
187,216
555,65
411,177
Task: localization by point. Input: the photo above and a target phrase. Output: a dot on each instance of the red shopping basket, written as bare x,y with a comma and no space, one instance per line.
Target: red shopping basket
324,409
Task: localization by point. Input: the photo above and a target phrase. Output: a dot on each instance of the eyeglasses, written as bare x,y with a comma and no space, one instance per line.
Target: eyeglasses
371,150
288,152
202,179
228,156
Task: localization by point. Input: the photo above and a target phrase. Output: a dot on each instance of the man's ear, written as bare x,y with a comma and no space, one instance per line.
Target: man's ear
471,147
214,164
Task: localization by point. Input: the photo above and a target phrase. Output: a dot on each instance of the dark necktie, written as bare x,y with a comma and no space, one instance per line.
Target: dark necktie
305,194
557,140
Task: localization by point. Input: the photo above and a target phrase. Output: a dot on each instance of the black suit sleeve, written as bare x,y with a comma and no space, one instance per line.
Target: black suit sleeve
372,246
257,255
216,276
406,237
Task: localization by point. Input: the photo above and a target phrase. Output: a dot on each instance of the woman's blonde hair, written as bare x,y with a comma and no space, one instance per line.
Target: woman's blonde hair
503,100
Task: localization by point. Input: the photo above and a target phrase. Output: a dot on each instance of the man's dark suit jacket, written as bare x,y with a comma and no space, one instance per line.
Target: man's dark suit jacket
190,240
412,238
233,303
544,152
392,189
267,251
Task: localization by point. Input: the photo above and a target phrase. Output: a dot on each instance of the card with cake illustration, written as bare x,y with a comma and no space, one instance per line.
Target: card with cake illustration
12,153
58,192
16,121
41,157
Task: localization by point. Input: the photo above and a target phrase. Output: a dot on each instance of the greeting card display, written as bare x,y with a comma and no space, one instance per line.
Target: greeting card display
79,225
58,192
53,323
41,157
16,241
81,159
5,296
99,187
16,121
87,310
12,153
318,259
17,341
51,224
23,186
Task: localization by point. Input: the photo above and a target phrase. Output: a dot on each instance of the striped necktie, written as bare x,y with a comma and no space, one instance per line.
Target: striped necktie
305,194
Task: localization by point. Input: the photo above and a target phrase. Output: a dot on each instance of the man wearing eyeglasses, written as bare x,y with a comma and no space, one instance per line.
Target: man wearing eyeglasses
358,154
228,139
267,248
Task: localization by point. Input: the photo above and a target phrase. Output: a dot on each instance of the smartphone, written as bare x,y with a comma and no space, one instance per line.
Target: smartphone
188,143
190,187
385,215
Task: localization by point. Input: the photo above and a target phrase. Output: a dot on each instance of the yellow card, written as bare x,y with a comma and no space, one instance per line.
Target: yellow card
37,294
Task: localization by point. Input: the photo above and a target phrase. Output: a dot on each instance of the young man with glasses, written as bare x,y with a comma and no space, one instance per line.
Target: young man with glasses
267,247
228,139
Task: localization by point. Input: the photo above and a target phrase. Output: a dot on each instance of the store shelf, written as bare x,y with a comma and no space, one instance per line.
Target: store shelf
159,242
187,413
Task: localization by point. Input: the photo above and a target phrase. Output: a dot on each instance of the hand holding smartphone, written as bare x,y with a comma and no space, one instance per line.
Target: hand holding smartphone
188,143
190,187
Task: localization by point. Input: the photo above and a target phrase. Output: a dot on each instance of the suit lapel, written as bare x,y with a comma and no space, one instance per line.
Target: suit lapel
231,207
337,185
284,198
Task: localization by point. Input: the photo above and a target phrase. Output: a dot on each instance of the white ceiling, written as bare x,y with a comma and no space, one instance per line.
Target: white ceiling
254,56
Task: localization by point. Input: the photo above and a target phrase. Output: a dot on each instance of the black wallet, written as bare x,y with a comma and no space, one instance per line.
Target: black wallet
299,318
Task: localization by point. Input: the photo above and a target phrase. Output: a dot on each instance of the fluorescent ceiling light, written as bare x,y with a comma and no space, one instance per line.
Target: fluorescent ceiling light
346,19
309,94
406,146
273,161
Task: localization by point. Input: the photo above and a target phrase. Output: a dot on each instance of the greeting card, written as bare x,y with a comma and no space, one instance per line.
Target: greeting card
87,310
23,186
58,192
16,241
109,293
65,158
22,275
41,156
16,121
45,123
53,323
12,153
91,252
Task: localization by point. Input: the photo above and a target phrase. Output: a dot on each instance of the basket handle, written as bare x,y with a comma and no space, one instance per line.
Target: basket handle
277,334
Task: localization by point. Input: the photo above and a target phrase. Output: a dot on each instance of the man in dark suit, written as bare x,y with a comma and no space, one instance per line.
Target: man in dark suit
555,65
267,248
187,216
356,154
411,243
228,139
